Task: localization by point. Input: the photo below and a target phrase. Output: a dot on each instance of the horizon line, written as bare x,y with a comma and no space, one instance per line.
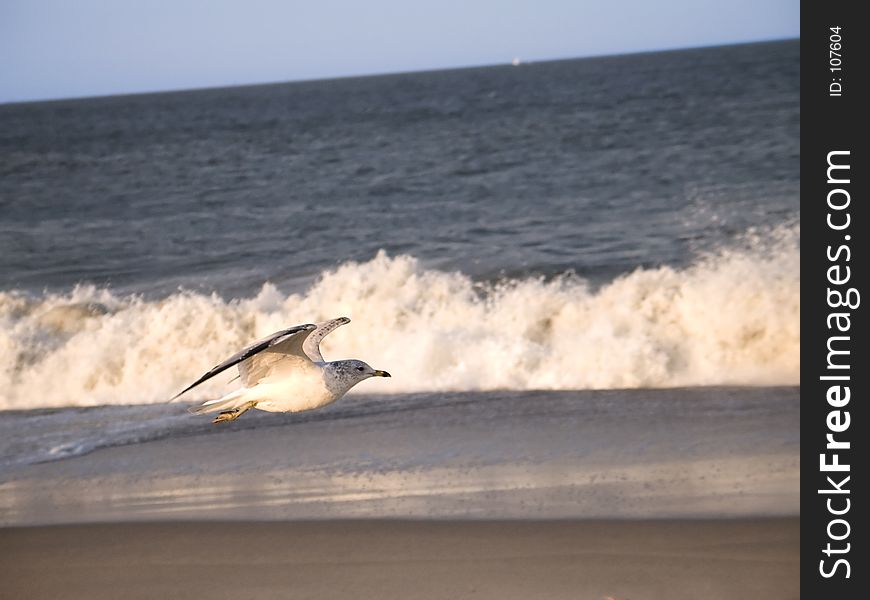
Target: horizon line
506,63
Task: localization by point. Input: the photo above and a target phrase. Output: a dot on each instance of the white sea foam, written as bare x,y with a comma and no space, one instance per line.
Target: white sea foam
730,318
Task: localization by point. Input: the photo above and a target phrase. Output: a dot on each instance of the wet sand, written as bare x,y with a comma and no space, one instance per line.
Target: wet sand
712,453
623,560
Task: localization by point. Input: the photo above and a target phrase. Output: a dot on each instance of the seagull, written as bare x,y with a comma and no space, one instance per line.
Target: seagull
285,372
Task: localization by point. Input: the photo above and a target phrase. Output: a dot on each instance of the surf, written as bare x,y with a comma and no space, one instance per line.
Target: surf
732,317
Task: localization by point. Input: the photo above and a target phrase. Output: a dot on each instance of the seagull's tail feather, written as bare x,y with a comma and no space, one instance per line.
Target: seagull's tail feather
228,402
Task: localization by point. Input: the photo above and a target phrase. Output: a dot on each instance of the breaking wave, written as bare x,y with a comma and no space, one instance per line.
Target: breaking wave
732,317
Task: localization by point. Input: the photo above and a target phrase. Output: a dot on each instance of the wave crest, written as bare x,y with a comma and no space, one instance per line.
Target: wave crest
733,317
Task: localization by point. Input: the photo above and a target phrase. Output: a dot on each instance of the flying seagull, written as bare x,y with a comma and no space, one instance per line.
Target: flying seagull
285,372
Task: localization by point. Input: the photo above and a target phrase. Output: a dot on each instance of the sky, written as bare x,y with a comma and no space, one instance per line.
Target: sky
70,48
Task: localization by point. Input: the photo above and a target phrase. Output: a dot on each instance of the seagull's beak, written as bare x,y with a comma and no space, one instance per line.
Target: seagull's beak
379,373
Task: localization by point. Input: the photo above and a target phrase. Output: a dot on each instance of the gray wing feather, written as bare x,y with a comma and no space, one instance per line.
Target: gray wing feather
287,340
311,343
284,355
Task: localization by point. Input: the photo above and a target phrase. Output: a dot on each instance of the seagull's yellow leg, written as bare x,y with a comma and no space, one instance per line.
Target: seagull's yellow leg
232,415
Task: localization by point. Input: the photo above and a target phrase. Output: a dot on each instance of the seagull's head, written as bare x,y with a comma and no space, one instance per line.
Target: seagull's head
353,371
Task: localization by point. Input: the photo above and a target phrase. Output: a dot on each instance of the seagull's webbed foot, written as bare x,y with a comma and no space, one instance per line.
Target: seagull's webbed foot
235,413
226,416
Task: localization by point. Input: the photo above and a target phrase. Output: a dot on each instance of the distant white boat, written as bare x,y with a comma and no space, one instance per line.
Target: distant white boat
515,62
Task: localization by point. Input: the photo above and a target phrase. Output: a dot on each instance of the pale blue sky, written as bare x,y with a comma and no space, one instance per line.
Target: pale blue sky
65,48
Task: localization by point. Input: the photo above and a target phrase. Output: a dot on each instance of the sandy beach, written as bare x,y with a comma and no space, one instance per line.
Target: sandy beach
595,560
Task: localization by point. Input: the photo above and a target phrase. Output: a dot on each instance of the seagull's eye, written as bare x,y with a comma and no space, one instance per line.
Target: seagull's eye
360,369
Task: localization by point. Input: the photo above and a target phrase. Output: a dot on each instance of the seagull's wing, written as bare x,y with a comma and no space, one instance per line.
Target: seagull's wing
288,355
283,341
284,356
311,345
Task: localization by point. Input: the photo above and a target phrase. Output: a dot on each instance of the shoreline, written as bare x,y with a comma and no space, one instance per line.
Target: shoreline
694,453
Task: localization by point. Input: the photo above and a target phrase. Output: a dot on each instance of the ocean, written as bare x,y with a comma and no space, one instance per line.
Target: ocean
621,223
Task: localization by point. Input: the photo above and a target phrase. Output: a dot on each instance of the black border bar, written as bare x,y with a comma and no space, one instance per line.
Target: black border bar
833,262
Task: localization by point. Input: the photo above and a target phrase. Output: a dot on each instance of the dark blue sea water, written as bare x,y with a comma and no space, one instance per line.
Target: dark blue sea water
596,166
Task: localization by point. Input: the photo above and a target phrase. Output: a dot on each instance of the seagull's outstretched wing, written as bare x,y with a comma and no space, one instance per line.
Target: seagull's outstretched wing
286,341
311,345
284,356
